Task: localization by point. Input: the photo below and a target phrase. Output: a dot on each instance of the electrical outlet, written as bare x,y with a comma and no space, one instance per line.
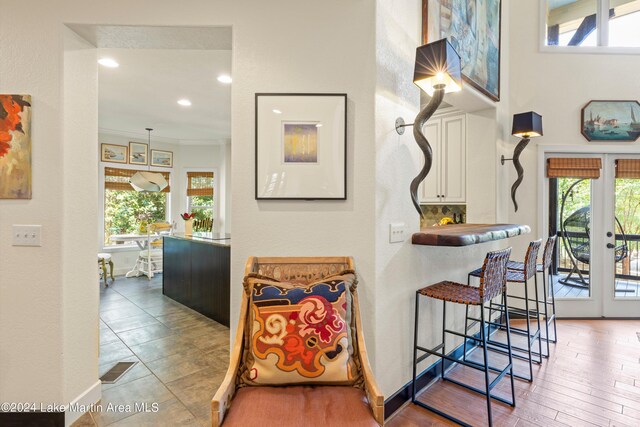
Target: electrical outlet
397,232
27,235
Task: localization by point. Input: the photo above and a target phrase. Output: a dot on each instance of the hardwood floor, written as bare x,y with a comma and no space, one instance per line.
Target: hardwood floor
592,377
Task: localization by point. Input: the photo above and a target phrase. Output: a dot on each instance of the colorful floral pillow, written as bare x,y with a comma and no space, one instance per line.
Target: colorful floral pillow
300,334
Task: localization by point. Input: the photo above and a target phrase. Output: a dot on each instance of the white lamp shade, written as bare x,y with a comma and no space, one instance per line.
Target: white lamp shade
148,181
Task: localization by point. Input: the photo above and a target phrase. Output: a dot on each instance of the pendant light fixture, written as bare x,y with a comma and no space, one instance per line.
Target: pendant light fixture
148,181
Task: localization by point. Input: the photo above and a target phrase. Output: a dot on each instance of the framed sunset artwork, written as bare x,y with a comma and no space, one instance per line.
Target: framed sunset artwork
15,147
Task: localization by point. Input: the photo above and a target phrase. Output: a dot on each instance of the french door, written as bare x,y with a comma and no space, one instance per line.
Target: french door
597,220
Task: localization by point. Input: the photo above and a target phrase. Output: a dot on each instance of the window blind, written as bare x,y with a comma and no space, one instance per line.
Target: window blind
199,183
118,179
628,168
574,167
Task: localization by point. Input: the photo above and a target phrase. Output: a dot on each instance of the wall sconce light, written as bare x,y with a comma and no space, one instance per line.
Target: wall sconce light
437,71
525,126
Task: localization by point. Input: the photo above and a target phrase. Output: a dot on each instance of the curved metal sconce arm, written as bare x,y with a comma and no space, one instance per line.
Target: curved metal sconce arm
516,163
422,117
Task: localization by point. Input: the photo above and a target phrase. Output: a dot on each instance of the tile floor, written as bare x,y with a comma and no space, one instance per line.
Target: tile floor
183,356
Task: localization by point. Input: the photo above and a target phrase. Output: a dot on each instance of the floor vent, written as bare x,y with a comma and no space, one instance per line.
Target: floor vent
118,370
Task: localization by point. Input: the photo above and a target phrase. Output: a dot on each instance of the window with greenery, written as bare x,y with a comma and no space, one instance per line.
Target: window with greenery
125,209
614,23
200,194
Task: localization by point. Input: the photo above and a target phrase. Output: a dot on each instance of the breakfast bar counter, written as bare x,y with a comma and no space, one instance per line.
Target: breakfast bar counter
467,234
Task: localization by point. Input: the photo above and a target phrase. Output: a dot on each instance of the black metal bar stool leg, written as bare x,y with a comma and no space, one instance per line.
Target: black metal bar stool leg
444,338
526,307
466,331
553,305
483,335
546,310
415,348
535,283
510,353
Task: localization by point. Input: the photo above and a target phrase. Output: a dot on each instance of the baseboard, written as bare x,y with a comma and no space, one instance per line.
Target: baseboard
83,403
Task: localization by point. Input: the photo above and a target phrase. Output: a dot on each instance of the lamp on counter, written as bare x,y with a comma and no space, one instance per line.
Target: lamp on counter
147,181
437,71
525,126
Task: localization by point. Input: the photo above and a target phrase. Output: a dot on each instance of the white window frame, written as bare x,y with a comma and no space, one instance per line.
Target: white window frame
216,191
101,193
603,35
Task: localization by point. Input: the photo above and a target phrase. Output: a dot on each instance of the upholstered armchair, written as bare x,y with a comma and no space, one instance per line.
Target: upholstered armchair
275,389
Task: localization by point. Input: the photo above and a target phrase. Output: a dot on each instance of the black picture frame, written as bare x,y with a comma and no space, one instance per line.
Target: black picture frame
262,197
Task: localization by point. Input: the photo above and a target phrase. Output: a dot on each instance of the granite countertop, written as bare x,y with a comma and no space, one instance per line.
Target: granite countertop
209,238
467,234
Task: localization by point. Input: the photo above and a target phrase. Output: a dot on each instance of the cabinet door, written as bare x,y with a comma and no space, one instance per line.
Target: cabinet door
454,159
429,190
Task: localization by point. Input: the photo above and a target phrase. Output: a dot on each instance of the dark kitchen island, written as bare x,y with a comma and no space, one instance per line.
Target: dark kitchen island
196,273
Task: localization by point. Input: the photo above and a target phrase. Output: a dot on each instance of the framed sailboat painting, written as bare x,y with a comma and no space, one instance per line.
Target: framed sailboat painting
611,121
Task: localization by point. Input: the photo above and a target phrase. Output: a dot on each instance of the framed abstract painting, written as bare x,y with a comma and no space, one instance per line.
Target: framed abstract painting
473,28
301,143
611,121
15,147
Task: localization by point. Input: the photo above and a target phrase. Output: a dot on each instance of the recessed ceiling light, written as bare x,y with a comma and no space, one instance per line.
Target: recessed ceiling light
225,79
277,111
108,62
184,102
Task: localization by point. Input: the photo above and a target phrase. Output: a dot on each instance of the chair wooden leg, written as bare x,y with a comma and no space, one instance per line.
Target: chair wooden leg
104,272
111,271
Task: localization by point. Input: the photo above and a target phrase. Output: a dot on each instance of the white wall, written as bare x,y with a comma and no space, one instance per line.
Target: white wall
402,268
185,157
557,86
279,46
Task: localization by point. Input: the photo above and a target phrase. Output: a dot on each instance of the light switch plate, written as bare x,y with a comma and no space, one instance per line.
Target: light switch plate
27,235
397,232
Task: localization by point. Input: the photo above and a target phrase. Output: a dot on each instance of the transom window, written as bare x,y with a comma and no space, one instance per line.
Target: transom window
593,23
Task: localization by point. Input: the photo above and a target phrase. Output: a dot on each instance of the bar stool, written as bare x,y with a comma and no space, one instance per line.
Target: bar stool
492,284
544,267
523,277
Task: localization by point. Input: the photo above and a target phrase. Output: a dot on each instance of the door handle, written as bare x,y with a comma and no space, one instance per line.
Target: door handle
610,245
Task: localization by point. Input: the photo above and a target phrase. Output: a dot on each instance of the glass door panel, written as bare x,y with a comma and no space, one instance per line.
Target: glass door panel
627,226
573,262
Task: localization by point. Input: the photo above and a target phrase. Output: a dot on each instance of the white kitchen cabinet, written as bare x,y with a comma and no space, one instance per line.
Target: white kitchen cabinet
447,181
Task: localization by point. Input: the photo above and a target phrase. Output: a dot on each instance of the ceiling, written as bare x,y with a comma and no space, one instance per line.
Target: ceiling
143,92
154,37
158,66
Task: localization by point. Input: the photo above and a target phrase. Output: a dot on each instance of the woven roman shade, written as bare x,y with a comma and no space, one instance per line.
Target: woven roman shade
199,183
628,168
574,167
118,179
